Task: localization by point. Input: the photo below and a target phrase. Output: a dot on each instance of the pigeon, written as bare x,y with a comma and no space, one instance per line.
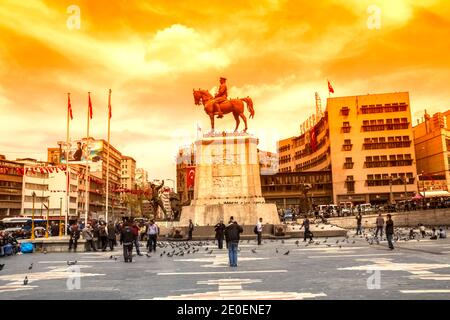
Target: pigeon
30,267
253,250
337,241
182,254
111,257
45,251
71,263
206,249
286,253
161,255
210,252
282,241
115,258
353,241
148,256
25,281
340,246
2,266
276,250
296,242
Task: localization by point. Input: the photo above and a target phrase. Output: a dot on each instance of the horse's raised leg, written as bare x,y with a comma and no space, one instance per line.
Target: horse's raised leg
236,117
242,115
211,117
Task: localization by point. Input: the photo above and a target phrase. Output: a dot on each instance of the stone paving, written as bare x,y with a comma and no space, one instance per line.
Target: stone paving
333,268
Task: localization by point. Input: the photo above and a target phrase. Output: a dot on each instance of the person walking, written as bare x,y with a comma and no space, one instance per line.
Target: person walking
307,233
220,230
74,234
190,229
259,229
358,224
127,238
152,235
233,231
135,230
111,233
380,225
390,231
87,235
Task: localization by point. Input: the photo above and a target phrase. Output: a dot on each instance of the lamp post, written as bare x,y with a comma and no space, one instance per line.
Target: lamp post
48,217
60,217
32,217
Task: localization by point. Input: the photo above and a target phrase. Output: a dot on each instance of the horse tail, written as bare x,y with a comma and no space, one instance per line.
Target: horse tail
249,102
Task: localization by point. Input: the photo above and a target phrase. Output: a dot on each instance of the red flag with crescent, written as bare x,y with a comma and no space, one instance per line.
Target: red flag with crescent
330,88
190,177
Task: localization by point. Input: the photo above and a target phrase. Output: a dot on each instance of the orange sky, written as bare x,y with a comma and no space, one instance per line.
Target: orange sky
152,53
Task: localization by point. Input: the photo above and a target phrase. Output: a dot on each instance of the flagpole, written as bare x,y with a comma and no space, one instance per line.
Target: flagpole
66,218
107,159
86,194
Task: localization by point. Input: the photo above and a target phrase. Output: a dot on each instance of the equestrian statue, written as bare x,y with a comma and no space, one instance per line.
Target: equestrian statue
220,104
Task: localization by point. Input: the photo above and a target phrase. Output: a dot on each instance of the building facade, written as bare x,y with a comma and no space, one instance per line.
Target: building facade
128,173
366,142
432,148
11,185
186,173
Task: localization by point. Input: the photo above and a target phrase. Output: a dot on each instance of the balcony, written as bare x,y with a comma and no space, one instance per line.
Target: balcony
348,165
347,147
345,111
387,126
387,145
382,109
388,163
346,129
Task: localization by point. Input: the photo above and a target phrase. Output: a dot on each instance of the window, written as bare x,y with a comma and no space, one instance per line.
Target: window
346,127
345,111
348,164
350,184
347,146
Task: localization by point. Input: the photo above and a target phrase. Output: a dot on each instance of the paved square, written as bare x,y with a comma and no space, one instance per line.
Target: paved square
333,268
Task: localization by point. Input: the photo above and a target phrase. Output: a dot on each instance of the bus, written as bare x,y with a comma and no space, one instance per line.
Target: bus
20,227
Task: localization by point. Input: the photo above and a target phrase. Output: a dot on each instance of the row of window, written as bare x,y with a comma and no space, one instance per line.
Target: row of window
311,163
378,108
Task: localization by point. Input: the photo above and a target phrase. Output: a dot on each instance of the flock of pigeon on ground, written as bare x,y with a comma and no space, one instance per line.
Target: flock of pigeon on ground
181,248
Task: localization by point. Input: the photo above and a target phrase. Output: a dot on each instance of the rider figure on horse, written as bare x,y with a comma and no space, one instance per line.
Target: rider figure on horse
220,97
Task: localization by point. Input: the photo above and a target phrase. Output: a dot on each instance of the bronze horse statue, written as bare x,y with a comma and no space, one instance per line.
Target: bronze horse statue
235,106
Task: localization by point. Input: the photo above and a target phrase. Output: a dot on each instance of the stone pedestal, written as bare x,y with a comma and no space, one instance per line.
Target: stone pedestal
227,183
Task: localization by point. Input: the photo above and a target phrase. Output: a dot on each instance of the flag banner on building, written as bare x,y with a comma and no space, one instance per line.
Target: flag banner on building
31,170
330,88
190,177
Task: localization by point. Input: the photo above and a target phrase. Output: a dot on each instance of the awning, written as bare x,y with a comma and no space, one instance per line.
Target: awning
435,194
417,196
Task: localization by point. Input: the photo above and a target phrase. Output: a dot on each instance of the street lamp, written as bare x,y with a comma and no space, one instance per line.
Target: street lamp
32,217
60,217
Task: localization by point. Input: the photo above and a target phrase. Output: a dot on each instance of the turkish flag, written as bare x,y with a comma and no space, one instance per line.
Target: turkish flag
190,177
90,106
69,107
330,88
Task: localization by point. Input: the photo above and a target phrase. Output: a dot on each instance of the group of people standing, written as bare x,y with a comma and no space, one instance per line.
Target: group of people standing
231,233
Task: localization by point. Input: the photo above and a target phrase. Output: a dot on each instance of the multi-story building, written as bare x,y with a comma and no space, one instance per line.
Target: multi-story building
141,179
49,189
293,189
97,179
128,173
432,149
366,142
11,185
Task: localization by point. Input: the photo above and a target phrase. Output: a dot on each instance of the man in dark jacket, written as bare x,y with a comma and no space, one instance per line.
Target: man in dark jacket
103,234
389,231
127,238
220,230
111,230
359,224
307,233
74,234
233,231
190,229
